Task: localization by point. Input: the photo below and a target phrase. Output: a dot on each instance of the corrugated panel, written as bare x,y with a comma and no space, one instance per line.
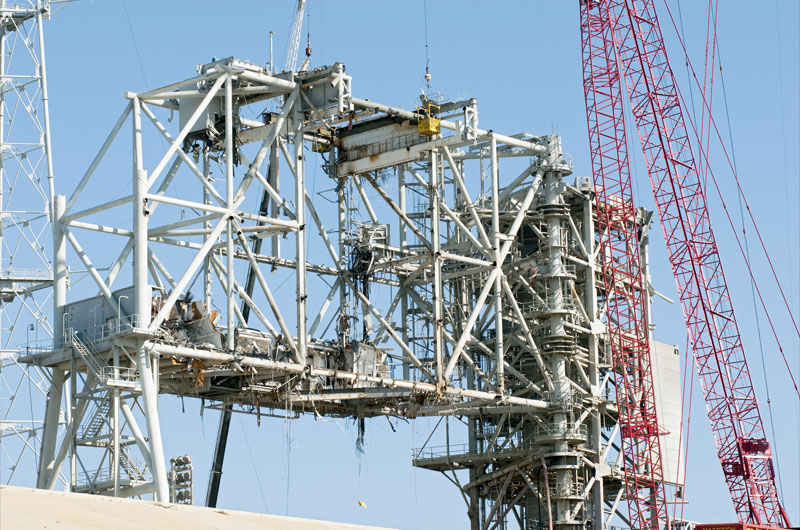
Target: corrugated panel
667,383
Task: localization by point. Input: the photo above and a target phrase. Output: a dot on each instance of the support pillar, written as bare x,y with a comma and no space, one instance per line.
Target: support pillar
50,431
436,260
498,282
300,202
53,407
596,423
230,342
401,201
143,305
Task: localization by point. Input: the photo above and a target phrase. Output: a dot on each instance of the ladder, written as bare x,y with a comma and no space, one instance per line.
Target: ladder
89,357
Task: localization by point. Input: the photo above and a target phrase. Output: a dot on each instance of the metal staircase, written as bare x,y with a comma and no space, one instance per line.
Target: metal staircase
89,356
99,418
132,469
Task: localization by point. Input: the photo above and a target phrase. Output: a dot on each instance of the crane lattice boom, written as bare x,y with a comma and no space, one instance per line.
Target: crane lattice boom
290,62
628,329
638,49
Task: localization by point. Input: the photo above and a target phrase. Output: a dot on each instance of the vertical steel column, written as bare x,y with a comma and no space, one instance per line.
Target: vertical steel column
433,175
401,201
115,425
143,305
53,406
498,282
300,206
273,178
142,301
70,395
229,158
60,272
47,455
590,304
555,292
207,226
341,205
2,141
45,106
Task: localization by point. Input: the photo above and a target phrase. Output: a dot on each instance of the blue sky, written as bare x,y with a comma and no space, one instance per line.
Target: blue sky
521,59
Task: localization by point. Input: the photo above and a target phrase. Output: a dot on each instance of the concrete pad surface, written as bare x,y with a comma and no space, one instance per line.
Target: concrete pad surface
33,509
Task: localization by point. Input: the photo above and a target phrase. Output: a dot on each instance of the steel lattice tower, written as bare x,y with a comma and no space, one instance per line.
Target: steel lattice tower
26,189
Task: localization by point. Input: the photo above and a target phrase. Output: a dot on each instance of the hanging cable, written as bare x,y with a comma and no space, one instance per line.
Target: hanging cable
308,32
686,63
775,453
427,58
135,46
704,155
791,260
681,489
708,89
253,464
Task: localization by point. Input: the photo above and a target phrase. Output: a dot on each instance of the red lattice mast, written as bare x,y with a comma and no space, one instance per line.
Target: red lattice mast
628,330
742,445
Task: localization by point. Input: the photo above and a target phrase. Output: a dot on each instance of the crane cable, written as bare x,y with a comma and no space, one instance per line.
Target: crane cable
742,251
427,58
752,283
735,175
704,155
707,95
711,34
688,417
783,138
706,88
308,32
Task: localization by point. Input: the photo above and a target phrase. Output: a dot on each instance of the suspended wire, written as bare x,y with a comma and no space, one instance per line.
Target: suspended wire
747,206
687,416
287,426
321,33
427,57
752,283
711,34
135,46
253,464
686,63
308,31
744,255
783,138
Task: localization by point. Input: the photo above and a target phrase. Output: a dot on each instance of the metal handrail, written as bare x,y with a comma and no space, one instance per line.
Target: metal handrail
36,274
110,328
441,451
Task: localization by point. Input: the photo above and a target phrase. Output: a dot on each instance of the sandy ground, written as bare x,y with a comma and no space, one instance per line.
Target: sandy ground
31,509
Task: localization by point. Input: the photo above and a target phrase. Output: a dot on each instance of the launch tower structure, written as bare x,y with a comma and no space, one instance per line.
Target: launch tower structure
444,270
26,189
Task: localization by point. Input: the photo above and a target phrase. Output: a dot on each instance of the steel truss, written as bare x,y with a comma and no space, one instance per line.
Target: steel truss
630,47
26,273
436,293
622,271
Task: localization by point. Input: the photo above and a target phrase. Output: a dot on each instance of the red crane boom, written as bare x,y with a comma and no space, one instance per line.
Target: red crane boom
628,329
636,47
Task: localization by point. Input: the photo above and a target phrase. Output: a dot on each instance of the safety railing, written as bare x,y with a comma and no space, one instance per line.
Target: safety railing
26,274
84,349
121,377
443,451
558,431
110,328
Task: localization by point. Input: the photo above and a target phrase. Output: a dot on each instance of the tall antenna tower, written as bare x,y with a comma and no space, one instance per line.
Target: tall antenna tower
26,272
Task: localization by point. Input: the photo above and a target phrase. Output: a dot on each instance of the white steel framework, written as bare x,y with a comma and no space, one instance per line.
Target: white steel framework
422,288
26,273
